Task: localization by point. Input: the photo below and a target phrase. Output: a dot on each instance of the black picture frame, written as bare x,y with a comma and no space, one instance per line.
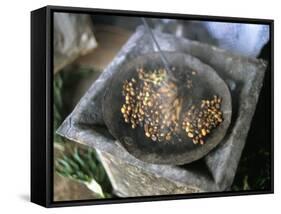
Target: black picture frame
42,102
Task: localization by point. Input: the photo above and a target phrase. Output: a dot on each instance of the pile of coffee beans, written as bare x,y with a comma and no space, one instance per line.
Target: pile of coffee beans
152,102
201,119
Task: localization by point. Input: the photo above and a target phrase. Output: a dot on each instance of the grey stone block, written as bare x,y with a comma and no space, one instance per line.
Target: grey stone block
216,170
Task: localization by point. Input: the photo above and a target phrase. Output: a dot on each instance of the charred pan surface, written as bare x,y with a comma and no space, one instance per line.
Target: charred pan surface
162,139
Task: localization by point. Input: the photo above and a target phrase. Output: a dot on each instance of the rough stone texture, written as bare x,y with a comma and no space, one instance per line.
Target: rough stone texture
73,36
146,185
215,171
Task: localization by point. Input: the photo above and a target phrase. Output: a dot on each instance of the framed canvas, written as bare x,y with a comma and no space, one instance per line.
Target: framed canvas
134,106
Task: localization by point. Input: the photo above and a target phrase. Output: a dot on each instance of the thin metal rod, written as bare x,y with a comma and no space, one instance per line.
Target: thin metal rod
162,55
164,60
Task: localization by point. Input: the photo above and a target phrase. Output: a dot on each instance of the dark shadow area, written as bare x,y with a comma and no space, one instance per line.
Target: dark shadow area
25,197
254,167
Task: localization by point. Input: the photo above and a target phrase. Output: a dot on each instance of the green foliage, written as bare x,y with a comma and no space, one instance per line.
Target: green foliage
58,106
65,82
80,164
83,166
